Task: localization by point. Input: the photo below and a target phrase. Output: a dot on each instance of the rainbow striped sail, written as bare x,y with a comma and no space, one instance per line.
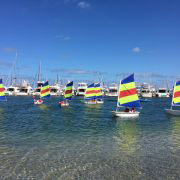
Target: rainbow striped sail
176,94
128,95
2,92
45,90
90,92
98,91
68,91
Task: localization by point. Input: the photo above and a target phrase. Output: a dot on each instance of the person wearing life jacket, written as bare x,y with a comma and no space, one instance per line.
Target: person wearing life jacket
133,109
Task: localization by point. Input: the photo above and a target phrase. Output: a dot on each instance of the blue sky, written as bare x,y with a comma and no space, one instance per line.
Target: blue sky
84,39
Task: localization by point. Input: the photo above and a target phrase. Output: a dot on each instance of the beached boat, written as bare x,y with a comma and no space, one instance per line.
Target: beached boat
175,100
2,91
67,94
127,98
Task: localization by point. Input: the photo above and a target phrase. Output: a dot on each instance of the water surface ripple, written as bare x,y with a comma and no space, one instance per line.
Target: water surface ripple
85,142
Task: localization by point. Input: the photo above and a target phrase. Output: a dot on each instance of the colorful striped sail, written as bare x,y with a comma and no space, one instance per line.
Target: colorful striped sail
90,92
176,94
128,95
2,92
98,91
45,90
68,91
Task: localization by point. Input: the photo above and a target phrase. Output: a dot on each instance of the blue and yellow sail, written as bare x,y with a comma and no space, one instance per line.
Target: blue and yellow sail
90,93
2,91
176,94
98,91
45,90
128,95
68,91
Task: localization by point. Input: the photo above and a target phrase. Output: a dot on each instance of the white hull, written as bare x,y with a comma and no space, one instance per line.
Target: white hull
147,95
173,112
100,102
112,95
36,94
125,114
89,102
23,94
163,95
38,102
64,105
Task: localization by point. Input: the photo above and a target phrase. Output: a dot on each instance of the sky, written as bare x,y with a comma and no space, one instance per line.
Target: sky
90,39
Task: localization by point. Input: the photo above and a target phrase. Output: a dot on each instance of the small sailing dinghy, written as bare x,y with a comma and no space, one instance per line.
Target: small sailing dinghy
99,94
90,95
67,94
45,93
2,91
128,98
37,101
175,100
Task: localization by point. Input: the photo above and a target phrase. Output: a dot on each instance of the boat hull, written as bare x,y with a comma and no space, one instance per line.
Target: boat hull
89,102
147,95
100,102
38,102
125,114
64,105
173,112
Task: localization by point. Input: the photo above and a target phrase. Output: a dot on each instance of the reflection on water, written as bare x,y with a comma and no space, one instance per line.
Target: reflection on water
85,142
127,136
175,133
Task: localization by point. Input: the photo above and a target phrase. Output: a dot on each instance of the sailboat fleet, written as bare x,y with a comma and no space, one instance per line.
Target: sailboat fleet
127,103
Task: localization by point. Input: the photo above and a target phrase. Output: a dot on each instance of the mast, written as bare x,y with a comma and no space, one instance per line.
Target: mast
173,95
40,72
118,94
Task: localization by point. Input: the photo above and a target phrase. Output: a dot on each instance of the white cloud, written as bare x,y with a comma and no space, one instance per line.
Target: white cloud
136,49
83,5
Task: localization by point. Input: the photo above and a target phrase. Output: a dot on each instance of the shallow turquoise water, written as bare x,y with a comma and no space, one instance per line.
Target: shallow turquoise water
85,142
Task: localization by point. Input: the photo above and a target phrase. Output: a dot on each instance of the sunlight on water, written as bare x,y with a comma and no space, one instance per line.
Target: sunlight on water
84,141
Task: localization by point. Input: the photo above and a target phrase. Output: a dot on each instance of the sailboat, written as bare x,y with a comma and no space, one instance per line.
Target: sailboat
128,98
98,92
45,93
90,95
67,94
175,100
2,91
